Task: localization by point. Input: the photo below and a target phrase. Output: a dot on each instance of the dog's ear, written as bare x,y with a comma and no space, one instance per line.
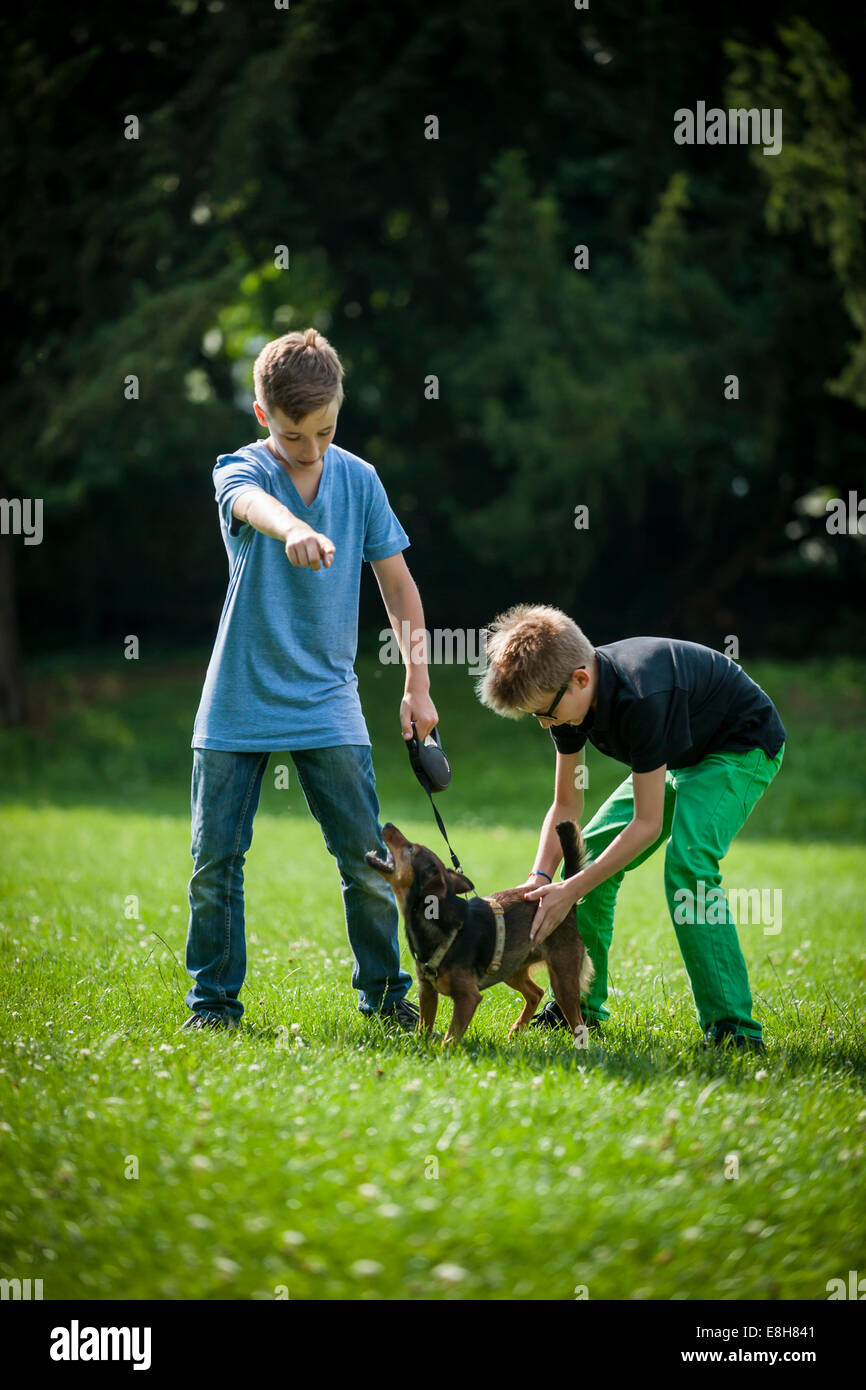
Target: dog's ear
459,882
441,879
434,882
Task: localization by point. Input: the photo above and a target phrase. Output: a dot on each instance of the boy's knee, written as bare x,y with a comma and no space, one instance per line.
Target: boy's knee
690,863
216,861
355,872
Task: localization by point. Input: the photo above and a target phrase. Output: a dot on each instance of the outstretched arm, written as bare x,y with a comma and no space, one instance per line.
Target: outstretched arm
304,546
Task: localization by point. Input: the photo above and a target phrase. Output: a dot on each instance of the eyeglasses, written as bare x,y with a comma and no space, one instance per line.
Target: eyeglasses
548,713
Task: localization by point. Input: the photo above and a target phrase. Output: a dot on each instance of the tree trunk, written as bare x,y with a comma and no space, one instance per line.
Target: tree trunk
11,688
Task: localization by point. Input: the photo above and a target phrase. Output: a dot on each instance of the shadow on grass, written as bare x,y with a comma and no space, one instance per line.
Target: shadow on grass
625,1055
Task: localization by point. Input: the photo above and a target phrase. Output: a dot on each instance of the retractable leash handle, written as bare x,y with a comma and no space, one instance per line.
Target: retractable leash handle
428,760
433,771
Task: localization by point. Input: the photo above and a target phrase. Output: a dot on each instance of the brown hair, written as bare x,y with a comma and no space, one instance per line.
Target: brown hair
297,374
531,650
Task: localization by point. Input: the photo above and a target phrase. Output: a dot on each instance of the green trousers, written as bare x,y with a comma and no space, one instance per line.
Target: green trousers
704,808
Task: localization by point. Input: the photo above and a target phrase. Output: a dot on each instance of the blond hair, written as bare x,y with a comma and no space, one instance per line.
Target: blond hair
297,374
531,651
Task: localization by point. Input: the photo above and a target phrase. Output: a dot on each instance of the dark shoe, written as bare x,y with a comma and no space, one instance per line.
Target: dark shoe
551,1016
724,1035
198,1021
404,1014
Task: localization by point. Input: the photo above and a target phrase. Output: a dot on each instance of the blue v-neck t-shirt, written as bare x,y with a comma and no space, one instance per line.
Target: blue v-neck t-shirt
282,675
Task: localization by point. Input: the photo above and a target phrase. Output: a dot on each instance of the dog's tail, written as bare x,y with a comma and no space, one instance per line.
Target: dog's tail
574,858
573,851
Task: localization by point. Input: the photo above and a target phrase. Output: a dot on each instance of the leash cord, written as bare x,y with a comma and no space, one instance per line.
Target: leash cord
454,860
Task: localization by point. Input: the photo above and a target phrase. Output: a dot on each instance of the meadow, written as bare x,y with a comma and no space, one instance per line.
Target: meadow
320,1155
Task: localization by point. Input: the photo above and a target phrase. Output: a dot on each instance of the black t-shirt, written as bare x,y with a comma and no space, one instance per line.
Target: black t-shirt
663,701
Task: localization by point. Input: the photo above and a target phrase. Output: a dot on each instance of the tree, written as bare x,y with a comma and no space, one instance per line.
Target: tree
153,258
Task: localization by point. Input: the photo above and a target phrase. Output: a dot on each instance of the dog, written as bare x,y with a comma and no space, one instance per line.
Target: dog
461,948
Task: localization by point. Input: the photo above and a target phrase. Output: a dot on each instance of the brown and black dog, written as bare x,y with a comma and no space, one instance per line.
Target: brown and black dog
457,948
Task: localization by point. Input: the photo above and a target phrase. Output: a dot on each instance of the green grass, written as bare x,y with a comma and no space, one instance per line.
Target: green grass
300,1155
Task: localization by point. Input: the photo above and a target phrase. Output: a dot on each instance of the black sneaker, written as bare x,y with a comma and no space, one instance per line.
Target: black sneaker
198,1021
723,1036
551,1016
405,1015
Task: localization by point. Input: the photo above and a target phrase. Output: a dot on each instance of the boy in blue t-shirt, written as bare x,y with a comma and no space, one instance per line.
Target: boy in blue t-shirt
298,517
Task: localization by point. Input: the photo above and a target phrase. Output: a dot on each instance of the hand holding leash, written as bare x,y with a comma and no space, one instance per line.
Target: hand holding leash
433,771
416,708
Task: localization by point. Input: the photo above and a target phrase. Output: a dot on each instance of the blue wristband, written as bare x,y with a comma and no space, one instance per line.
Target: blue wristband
543,874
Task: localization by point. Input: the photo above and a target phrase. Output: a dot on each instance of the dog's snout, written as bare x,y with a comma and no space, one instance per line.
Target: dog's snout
394,838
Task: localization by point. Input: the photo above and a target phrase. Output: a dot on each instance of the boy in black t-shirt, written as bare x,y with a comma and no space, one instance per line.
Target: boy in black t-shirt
703,743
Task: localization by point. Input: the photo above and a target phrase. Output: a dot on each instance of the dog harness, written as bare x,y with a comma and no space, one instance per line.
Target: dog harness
430,968
499,949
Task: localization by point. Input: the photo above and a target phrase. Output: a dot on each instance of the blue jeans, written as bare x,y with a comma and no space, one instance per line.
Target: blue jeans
340,790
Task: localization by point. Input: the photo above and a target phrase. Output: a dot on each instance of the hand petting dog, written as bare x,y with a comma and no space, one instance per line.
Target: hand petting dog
555,901
461,948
